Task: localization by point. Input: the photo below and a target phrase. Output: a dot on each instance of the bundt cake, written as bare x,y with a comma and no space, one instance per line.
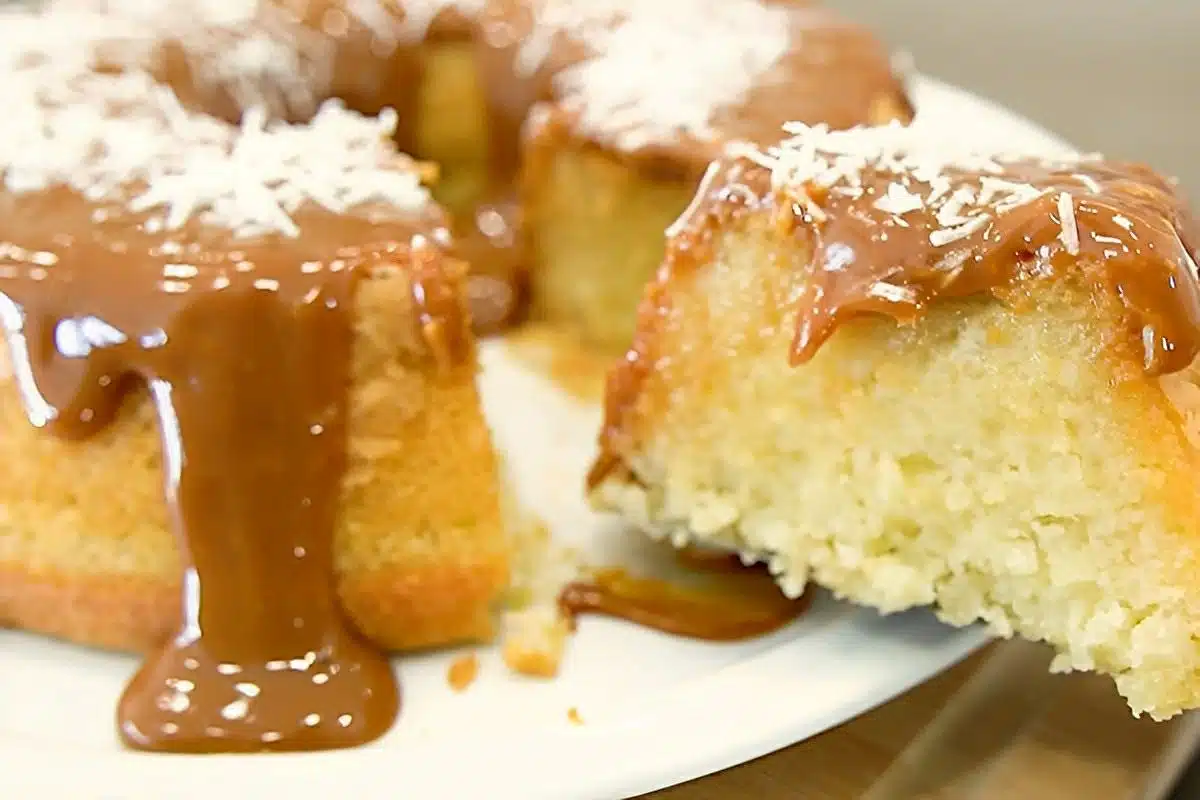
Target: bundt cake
917,374
568,133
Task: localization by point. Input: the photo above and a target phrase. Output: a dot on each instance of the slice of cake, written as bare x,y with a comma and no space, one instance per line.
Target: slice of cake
919,375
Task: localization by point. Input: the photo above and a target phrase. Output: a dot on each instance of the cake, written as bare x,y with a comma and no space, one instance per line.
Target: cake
266,319
920,375
560,159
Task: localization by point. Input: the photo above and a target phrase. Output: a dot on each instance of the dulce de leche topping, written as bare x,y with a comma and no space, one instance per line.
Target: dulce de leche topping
750,606
892,220
216,267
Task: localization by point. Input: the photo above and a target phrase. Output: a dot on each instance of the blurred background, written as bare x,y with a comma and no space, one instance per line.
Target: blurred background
1115,76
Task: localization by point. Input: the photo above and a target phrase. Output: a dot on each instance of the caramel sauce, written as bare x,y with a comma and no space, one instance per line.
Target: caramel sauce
711,615
246,358
710,560
1129,249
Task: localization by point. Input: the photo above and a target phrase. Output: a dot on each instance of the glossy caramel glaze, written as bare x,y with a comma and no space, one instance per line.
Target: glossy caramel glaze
719,616
888,222
245,354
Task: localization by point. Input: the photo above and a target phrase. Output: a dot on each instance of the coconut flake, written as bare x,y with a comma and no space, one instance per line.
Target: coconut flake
1088,182
1070,227
945,236
899,201
892,293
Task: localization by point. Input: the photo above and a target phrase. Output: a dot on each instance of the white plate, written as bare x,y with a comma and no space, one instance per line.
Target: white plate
657,710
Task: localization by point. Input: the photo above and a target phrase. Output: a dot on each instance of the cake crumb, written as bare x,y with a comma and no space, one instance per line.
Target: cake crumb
573,716
534,634
534,640
463,672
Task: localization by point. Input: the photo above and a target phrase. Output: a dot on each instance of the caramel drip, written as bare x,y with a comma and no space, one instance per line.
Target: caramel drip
724,616
246,358
489,235
1133,252
1129,249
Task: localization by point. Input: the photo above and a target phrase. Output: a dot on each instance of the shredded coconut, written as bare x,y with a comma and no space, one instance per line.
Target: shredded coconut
964,190
899,201
122,137
945,236
660,68
892,293
258,52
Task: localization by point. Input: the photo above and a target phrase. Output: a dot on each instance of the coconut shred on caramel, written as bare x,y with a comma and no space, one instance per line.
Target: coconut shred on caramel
213,269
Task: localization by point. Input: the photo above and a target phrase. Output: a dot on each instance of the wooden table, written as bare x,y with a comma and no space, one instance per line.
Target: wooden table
996,726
